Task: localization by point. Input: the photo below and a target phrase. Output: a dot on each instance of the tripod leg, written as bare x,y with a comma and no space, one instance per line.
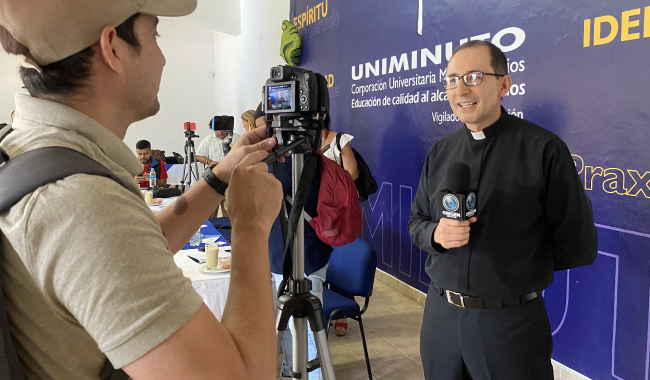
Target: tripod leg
299,332
279,336
196,169
183,177
326,366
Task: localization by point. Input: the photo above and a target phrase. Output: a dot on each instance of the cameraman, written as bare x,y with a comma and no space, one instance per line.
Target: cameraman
87,268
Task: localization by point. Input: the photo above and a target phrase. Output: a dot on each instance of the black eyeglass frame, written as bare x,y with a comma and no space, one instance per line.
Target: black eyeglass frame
444,81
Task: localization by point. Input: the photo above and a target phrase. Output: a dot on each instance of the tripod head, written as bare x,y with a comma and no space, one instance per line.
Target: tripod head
289,129
190,134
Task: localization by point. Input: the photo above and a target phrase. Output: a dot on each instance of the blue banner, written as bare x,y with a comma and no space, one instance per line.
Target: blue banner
579,69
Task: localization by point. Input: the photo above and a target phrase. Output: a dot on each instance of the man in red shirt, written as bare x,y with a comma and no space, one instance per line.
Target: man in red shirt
143,149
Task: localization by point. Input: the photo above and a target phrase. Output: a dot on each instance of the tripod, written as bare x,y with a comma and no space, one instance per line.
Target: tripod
190,154
297,301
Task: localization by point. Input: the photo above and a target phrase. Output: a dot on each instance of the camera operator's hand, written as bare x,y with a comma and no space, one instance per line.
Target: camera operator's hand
254,195
249,142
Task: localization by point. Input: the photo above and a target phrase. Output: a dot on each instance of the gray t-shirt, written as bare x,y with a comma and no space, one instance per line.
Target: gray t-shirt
87,271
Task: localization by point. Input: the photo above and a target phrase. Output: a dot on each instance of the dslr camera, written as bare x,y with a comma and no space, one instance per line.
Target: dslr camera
295,102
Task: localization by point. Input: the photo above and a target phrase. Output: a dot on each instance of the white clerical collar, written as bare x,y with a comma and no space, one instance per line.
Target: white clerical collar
478,135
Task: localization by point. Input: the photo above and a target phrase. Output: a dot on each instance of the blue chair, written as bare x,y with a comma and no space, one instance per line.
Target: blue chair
223,226
351,273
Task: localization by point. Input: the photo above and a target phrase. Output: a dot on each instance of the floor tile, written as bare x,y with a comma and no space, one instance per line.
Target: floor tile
378,350
389,297
358,372
399,369
376,309
391,327
341,357
408,343
405,306
417,359
413,320
353,335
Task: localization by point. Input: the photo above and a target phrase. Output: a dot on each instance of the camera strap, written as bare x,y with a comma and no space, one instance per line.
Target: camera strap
308,171
283,210
306,177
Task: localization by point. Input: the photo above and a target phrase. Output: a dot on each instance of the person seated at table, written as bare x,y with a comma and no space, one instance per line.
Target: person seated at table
143,149
97,289
211,149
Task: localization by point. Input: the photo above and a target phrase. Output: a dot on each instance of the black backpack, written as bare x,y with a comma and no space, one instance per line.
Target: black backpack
19,177
366,184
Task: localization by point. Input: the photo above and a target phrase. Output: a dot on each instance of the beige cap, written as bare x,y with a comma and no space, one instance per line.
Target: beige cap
56,29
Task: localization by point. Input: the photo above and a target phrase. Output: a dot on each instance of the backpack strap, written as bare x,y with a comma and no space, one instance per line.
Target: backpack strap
10,367
338,145
20,176
110,373
4,157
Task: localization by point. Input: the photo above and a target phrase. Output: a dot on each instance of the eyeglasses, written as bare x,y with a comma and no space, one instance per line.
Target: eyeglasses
470,79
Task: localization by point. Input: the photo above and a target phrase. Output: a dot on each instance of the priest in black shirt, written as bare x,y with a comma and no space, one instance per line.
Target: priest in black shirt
485,317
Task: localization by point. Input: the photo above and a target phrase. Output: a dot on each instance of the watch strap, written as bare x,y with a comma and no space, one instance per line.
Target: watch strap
214,182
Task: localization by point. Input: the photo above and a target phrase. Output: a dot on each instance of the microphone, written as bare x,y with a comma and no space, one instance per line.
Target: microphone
457,201
226,143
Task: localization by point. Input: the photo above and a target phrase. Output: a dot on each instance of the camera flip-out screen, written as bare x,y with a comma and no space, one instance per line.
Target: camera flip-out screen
280,98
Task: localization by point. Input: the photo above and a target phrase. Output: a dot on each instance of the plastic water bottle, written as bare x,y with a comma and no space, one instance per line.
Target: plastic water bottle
152,178
196,239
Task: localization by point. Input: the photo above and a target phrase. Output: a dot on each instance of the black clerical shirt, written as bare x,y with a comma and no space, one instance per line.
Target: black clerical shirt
533,213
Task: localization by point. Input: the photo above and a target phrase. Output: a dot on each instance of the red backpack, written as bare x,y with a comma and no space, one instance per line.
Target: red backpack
339,218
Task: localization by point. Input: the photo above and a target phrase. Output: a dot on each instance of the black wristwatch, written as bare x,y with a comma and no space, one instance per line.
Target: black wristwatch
212,180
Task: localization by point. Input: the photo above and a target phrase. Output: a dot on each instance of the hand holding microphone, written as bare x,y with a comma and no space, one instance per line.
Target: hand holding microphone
457,208
452,233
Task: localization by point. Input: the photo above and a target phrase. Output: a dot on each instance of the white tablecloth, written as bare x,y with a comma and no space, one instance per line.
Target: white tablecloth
213,288
166,202
175,173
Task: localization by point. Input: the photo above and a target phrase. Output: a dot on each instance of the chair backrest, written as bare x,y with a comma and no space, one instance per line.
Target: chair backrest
352,268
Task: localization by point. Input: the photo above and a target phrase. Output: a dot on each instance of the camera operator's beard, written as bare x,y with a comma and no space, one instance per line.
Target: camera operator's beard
143,109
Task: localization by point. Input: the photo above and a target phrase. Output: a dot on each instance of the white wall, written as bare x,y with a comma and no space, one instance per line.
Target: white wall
222,16
187,87
258,47
10,84
227,77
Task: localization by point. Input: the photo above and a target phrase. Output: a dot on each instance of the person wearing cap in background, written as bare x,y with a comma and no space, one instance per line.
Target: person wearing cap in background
94,277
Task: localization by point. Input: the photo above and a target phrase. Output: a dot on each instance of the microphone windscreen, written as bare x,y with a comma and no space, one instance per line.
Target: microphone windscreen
458,177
